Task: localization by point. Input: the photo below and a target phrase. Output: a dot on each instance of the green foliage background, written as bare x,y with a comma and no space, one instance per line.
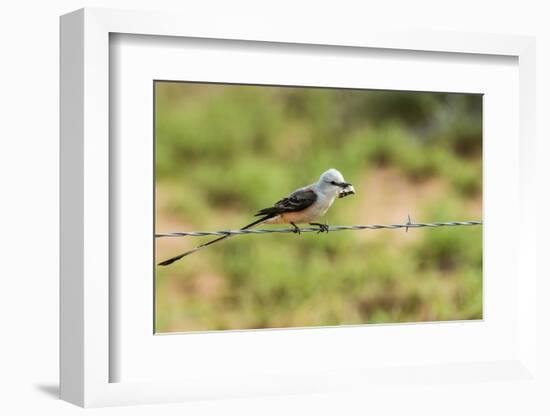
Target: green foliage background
225,151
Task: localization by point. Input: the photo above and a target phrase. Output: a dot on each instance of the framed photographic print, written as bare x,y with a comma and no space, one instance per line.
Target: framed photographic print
277,214
223,149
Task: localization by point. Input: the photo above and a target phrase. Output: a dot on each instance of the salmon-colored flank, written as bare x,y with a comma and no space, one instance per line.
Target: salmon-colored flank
297,217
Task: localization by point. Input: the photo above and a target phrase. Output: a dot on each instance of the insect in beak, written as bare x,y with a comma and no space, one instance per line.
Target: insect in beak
347,189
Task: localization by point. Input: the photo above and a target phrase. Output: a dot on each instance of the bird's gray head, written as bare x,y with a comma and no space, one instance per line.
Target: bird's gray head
333,182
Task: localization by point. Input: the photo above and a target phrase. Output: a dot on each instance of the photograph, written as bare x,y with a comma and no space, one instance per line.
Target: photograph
345,206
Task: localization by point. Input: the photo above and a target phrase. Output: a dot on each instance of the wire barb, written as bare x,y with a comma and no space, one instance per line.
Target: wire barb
407,225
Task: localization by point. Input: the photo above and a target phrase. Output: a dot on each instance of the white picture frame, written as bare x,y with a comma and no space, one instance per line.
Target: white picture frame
87,302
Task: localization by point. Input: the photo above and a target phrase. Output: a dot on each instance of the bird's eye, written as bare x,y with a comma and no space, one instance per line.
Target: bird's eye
333,183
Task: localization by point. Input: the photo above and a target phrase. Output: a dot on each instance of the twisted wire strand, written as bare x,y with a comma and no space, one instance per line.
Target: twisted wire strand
406,225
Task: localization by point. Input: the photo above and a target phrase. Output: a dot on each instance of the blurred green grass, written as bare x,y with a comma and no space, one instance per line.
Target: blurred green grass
225,151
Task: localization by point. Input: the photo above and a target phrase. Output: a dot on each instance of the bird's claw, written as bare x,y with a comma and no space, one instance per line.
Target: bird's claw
296,229
323,228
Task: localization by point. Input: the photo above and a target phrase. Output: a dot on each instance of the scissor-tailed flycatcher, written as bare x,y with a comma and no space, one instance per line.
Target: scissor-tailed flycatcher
304,205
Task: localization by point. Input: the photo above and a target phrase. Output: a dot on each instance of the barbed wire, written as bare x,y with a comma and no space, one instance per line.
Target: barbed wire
406,225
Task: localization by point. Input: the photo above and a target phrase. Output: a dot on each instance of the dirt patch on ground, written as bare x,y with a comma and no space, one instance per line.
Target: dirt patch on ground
388,196
474,208
167,221
204,286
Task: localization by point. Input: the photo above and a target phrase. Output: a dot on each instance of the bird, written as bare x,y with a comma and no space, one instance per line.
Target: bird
304,205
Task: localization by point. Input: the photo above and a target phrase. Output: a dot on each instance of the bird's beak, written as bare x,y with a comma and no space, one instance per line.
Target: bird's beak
347,190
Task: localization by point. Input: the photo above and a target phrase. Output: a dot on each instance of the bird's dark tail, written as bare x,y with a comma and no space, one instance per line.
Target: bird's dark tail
223,237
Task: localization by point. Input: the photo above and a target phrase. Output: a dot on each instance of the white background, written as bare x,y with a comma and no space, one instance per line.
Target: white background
29,172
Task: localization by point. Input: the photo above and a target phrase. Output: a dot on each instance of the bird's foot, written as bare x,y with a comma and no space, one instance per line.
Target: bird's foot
296,228
323,228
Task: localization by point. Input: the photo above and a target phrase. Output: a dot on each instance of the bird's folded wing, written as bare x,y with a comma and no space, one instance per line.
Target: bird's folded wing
296,201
